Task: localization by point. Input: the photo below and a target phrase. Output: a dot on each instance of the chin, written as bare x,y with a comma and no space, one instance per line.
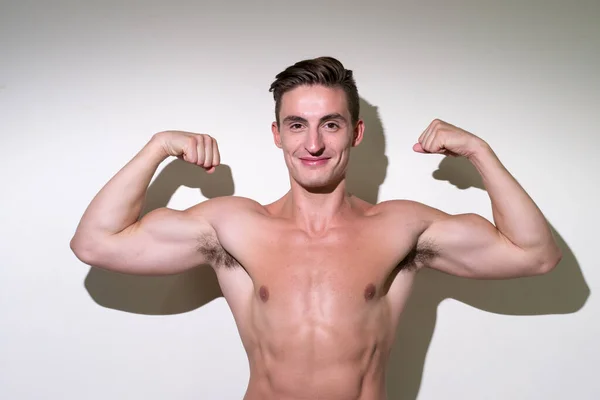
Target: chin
317,184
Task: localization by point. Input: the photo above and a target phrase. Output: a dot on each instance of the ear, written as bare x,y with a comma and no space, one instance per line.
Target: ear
276,135
358,133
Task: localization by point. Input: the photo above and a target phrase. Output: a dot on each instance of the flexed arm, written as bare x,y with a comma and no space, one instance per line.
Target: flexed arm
519,243
164,241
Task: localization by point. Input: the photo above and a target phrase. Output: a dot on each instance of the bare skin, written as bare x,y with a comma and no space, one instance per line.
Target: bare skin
317,313
318,279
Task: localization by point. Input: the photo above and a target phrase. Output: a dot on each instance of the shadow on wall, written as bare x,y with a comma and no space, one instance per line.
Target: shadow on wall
368,163
561,291
170,294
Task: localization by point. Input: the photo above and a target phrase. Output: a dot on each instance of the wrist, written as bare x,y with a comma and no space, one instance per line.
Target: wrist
156,148
479,149
483,158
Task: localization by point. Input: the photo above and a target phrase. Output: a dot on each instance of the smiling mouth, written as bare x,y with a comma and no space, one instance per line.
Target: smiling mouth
314,161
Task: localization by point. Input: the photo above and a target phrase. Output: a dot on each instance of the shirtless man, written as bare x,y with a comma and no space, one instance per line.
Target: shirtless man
316,280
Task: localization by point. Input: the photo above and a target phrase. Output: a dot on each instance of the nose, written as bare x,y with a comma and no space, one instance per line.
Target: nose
314,142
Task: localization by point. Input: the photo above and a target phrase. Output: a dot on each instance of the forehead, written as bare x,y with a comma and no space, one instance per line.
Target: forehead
313,101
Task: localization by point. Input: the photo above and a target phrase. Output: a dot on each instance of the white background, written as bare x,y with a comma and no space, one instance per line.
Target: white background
83,86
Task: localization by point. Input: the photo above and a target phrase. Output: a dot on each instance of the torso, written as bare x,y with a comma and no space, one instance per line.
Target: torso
317,315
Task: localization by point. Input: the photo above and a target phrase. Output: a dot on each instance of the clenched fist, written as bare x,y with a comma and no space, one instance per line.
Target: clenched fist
195,148
443,138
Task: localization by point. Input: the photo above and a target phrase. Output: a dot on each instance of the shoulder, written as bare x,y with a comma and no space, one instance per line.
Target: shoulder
225,204
408,209
418,218
226,211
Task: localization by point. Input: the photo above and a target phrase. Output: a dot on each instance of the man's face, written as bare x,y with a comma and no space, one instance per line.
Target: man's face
316,134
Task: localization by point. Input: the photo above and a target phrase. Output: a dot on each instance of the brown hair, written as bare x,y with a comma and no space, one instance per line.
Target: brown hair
326,71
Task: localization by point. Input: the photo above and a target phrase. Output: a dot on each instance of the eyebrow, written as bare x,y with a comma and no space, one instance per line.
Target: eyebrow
295,118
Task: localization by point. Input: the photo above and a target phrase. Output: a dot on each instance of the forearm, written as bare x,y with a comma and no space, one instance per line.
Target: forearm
119,203
515,214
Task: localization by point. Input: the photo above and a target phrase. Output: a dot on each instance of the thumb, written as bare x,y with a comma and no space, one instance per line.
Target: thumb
418,148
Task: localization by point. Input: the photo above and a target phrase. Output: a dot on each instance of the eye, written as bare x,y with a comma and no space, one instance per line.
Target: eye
332,126
295,126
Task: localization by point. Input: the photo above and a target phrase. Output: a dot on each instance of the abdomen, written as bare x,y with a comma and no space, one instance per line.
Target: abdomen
304,356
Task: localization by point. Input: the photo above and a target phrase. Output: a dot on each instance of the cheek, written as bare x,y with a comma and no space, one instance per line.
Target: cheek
341,144
290,143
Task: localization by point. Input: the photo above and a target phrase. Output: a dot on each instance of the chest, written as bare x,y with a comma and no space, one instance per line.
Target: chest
343,265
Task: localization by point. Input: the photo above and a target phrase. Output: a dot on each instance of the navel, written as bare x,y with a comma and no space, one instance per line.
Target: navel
369,291
263,293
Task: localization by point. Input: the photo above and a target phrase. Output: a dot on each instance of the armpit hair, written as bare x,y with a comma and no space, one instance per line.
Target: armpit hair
215,254
419,256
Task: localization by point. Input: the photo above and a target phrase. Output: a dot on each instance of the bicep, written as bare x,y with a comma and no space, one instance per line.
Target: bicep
468,245
164,241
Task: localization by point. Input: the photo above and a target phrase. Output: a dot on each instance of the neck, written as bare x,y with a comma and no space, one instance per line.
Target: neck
315,210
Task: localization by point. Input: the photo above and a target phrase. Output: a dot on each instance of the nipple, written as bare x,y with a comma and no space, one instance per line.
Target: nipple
369,291
263,293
